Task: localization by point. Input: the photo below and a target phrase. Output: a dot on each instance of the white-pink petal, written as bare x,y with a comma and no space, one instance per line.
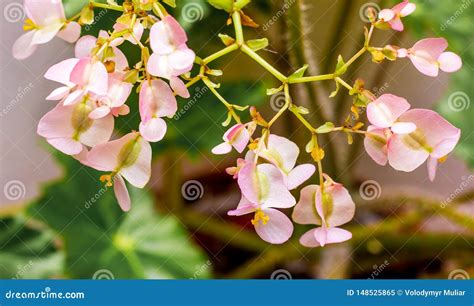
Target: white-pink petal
277,230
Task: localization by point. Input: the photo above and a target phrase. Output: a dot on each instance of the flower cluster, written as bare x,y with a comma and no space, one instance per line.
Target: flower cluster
97,83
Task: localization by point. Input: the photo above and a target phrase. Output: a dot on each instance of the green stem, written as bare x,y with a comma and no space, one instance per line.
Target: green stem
263,63
239,34
220,53
314,78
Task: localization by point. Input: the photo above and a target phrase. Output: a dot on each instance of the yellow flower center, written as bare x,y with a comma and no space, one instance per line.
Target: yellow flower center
29,25
260,216
107,179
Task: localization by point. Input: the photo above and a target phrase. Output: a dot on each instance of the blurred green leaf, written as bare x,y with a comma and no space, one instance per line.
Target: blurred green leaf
27,253
101,240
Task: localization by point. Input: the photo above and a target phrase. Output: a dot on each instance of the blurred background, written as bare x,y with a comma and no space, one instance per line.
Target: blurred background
57,220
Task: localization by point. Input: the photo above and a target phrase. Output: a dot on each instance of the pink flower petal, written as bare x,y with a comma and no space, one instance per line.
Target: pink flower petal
46,34
449,62
105,157
386,14
384,111
222,148
396,24
305,209
308,239
153,130
58,93
43,12
341,208
84,46
129,155
156,99
246,180
99,112
272,188
178,87
158,65
244,207
98,132
118,91
138,174
403,127
432,165
61,72
281,152
277,230
430,48
375,144
121,193
166,35
299,175
57,123
71,33
408,9
23,46
181,60
74,97
405,153
66,145
331,235
434,130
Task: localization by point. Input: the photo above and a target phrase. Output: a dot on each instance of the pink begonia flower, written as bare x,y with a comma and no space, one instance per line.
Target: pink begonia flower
137,31
156,101
264,189
283,153
46,20
86,44
393,16
68,127
81,77
171,56
406,138
237,136
433,139
428,56
128,157
114,101
331,209
385,111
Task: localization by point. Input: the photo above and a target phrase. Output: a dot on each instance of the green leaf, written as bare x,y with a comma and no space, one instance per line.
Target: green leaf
272,91
298,73
325,128
98,236
226,39
27,253
225,5
335,91
257,44
340,68
73,7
